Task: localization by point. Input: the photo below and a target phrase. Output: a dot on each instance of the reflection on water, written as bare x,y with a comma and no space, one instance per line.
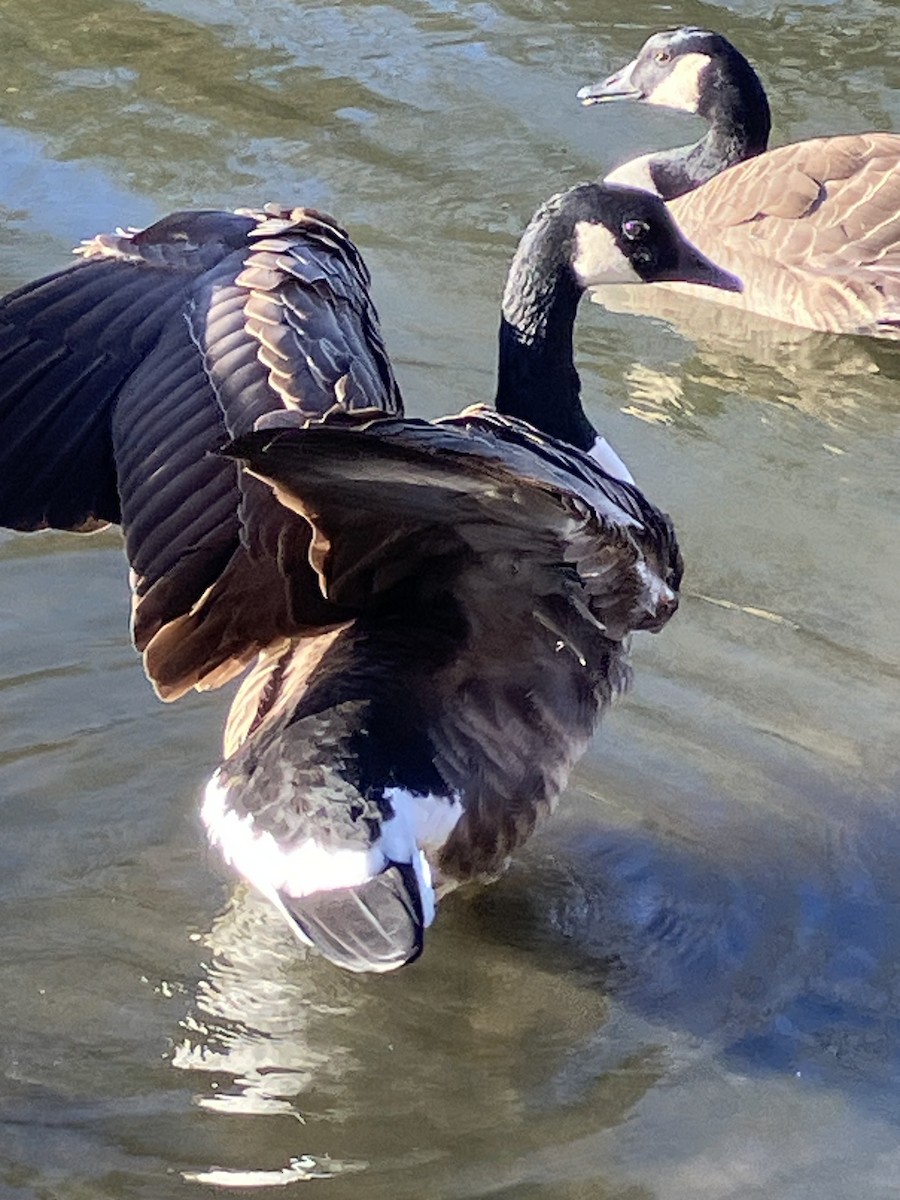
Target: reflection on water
842,382
609,962
253,1015
280,1035
687,987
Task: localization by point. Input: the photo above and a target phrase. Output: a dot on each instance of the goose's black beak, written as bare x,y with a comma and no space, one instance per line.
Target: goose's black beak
619,86
694,267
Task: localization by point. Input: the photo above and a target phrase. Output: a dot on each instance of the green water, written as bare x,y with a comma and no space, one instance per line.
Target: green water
686,989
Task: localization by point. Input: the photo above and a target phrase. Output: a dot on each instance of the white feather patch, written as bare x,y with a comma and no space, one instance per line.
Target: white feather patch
299,870
419,824
604,456
423,823
598,259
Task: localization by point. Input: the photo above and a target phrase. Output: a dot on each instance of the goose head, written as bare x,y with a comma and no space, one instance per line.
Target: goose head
678,68
592,234
696,71
626,235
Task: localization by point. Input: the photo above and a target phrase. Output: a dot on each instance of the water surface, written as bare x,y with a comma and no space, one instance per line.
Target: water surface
687,986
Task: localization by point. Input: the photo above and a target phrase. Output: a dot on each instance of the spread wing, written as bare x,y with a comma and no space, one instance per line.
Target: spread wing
122,373
388,500
812,229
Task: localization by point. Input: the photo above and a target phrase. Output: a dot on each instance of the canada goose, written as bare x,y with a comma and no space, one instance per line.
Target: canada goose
813,229
375,766
120,373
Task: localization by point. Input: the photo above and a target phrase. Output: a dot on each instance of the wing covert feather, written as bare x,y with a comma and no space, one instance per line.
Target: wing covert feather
125,371
812,229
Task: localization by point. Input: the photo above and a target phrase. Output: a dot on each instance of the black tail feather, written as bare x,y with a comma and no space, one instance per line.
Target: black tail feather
377,926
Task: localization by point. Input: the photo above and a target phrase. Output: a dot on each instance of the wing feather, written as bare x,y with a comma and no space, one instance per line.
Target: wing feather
121,374
383,496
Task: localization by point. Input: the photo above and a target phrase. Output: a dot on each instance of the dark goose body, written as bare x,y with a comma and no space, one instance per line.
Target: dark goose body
812,228
383,763
373,615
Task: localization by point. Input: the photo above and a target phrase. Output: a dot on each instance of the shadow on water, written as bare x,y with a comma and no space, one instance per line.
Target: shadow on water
785,966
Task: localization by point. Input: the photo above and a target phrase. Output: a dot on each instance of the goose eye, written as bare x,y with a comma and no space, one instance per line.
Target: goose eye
635,230
662,56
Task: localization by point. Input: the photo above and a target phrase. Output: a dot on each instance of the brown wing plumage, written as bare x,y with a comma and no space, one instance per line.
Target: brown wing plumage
812,229
122,373
385,496
459,504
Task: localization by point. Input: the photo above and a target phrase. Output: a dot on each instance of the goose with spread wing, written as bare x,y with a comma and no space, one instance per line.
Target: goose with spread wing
120,374
812,228
354,588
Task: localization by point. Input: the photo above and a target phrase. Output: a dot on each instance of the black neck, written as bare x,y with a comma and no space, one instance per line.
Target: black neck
734,103
536,376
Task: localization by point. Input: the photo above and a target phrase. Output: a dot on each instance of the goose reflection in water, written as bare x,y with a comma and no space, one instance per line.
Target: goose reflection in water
637,959
699,354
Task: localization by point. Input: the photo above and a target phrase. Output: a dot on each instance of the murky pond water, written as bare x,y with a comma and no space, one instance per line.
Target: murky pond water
688,987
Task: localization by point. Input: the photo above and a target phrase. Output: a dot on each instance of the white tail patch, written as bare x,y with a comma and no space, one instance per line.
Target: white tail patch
424,822
298,869
419,824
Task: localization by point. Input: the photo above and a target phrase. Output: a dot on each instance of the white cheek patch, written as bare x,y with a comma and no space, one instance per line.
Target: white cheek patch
598,259
681,87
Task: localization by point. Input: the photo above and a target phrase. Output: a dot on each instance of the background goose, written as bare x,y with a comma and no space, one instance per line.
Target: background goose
409,751
121,373
813,228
